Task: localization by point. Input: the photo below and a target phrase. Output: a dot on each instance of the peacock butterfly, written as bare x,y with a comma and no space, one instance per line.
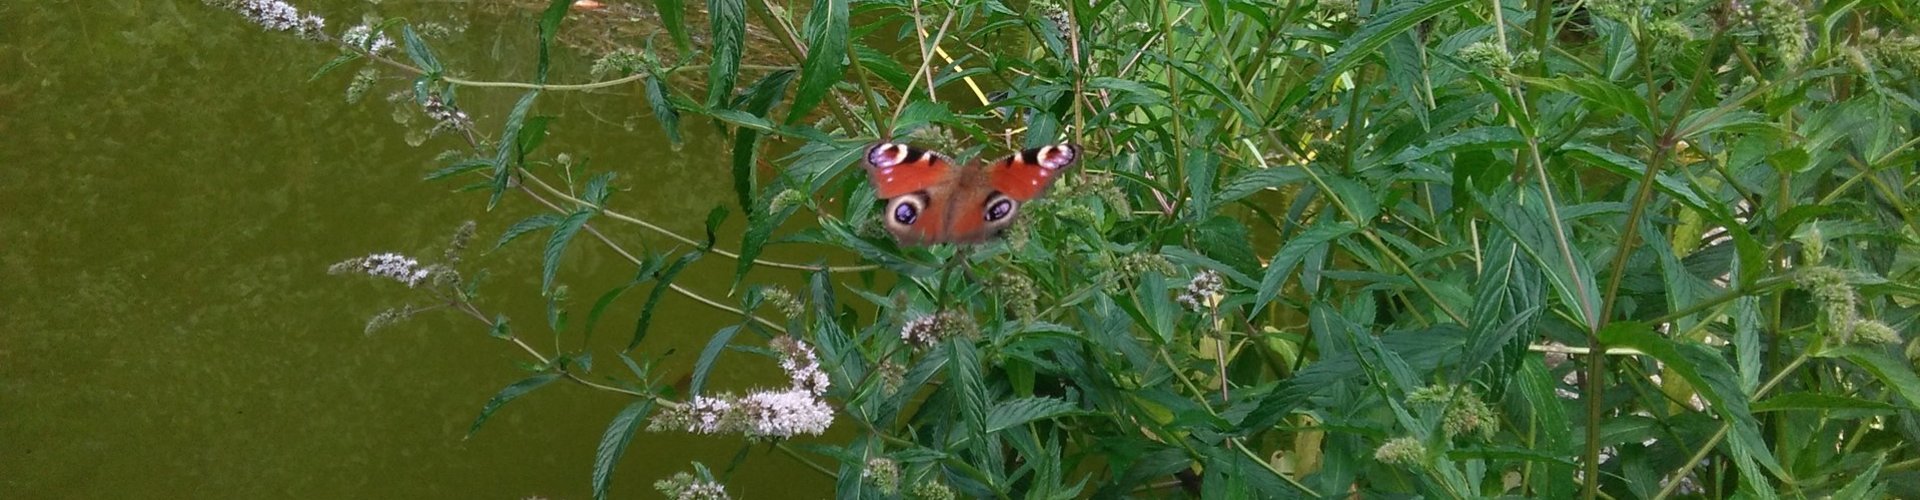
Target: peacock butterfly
929,201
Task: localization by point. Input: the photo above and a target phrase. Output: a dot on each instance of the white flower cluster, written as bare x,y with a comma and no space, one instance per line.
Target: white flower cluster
446,114
363,37
394,266
927,331
785,414
780,414
275,15
1202,291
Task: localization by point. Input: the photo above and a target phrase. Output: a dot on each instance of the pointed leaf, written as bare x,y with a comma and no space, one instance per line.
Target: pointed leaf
508,394
613,444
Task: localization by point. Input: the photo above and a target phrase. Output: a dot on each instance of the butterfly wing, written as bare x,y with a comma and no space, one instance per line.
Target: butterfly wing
1027,174
916,184
898,169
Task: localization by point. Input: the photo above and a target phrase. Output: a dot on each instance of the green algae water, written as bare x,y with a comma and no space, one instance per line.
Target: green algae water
175,188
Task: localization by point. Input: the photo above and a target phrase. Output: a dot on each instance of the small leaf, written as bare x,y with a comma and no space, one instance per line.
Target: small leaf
759,231
1817,401
826,57
673,15
1020,411
728,28
708,355
557,246
508,394
663,110
343,59
459,167
1473,139
1895,374
549,27
1292,254
501,329
418,51
614,442
746,145
1380,28
660,287
598,189
530,224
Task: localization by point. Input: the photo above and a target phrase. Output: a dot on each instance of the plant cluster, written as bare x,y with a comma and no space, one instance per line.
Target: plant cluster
1321,248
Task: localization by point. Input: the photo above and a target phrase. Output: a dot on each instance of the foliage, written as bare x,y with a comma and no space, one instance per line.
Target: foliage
1322,248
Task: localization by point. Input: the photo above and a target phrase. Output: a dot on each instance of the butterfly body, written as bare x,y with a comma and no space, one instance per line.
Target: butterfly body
931,201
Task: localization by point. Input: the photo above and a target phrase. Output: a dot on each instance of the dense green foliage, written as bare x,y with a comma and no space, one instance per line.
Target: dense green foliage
1320,248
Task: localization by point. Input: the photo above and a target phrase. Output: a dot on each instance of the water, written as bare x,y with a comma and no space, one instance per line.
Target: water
174,191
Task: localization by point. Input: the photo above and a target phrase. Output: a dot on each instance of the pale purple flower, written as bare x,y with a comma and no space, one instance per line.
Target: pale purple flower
395,267
705,415
785,414
802,367
363,37
275,15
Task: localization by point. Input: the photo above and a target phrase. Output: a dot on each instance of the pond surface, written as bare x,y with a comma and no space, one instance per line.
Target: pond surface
175,189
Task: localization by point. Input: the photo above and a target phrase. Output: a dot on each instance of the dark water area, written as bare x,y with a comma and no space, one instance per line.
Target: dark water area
174,190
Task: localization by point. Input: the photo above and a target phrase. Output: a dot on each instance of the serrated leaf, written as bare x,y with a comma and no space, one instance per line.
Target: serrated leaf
704,365
648,266
508,394
459,167
342,60
1473,139
1292,254
1817,401
1716,381
1380,28
727,31
1895,374
746,144
660,287
598,190
1606,94
557,246
1018,412
759,231
663,110
530,224
613,444
673,15
826,59
417,51
549,27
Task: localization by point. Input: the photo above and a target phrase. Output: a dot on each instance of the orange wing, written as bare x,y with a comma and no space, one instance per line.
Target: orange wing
897,169
1027,174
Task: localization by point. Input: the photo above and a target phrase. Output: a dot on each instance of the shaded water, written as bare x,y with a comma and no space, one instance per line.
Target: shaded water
173,192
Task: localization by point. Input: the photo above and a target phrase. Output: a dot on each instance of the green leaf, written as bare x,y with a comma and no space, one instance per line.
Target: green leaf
1716,381
648,266
1632,168
826,57
1895,374
557,246
1380,28
337,62
509,154
704,366
1817,401
759,231
1018,412
418,51
598,190
663,110
1292,254
1862,484
1136,89
728,28
510,393
673,15
530,224
1473,139
459,167
1604,93
614,442
549,27
660,287
501,329
746,144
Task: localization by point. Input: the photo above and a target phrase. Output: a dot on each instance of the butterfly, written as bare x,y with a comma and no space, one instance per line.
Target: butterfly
930,201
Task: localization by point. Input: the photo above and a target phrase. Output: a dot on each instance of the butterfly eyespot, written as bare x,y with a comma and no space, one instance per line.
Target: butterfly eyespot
998,209
1057,156
887,155
905,213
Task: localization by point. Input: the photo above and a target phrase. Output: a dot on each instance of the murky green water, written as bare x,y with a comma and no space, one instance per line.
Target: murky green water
174,191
